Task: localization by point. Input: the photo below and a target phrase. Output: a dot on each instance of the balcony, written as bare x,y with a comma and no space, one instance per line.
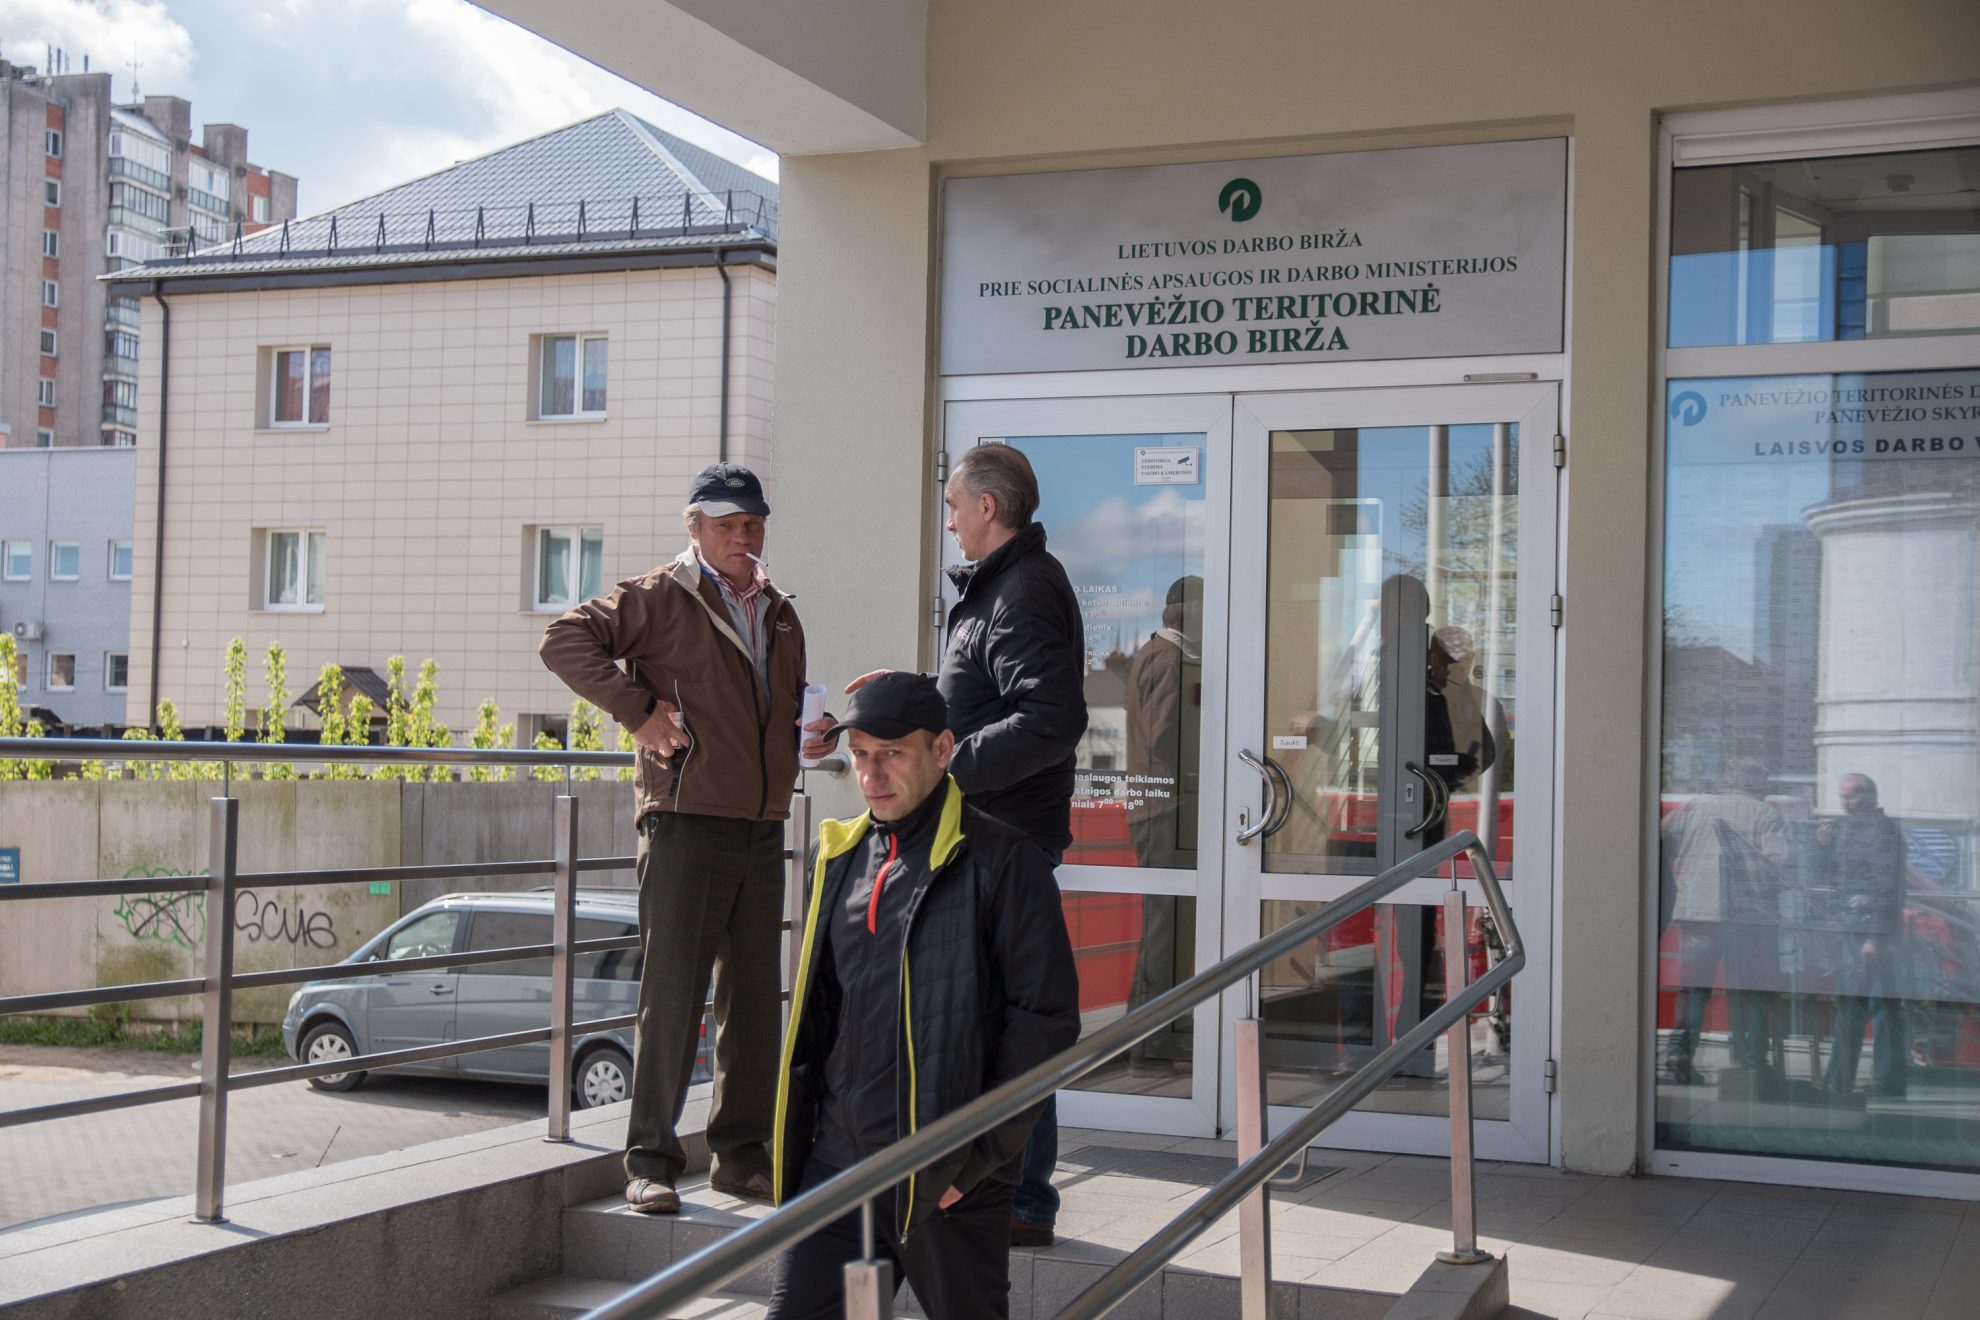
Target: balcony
138,221
118,416
122,167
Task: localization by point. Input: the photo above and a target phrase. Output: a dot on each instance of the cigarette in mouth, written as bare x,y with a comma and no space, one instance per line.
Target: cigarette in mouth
754,560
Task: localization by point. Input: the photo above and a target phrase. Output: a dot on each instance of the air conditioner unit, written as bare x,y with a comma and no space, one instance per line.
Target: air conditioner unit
28,630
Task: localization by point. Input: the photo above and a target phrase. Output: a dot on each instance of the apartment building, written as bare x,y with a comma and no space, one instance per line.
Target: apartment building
427,422
94,187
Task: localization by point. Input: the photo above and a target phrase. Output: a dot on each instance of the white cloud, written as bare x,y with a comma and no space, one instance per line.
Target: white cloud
353,96
110,33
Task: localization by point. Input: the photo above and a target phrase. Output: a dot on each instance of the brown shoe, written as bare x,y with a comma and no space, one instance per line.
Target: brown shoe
650,1196
755,1188
1024,1233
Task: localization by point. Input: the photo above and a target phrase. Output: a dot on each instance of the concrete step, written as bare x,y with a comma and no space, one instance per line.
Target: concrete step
604,1241
567,1295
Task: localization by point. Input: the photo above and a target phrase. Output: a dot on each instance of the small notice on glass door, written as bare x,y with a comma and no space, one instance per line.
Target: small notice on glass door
1167,465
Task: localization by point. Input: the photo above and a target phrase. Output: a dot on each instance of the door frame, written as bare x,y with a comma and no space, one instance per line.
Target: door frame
1536,407
966,423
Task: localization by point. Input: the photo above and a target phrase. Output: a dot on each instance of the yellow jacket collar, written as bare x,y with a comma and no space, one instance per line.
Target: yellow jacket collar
840,836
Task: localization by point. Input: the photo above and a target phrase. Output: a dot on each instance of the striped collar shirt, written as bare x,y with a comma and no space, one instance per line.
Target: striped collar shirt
749,610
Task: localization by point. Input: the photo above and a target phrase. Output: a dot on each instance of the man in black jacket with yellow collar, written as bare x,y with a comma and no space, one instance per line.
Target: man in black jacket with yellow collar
935,967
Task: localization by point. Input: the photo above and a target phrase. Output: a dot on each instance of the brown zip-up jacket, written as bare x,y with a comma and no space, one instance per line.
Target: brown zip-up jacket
674,634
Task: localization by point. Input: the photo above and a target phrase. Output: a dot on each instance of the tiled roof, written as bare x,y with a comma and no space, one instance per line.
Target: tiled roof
611,183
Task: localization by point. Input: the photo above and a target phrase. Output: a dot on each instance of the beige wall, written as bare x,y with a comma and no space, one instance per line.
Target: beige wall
1030,84
429,471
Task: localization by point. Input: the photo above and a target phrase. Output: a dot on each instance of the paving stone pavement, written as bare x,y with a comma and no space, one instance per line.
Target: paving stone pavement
1579,1247
137,1154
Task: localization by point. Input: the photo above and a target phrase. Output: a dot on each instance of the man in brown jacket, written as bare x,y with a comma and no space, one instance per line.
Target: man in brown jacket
702,661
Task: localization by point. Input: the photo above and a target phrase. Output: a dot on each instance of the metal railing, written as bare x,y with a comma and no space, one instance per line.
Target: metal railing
225,880
868,1285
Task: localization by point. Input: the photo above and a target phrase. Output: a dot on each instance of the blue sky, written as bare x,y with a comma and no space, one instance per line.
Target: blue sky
351,96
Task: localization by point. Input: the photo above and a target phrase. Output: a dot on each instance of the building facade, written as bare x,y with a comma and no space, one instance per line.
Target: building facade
65,582
94,187
1612,369
433,445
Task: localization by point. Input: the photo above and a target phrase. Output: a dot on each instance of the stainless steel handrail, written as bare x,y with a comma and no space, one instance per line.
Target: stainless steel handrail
714,1265
224,880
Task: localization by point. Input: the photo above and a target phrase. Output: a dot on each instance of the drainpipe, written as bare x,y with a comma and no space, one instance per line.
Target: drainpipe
722,269
158,534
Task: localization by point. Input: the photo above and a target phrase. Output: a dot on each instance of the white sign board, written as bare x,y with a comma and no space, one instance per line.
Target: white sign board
1424,252
1167,465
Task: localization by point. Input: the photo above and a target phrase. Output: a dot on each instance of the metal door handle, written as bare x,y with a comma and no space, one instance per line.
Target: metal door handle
1286,807
1432,795
1271,797
442,990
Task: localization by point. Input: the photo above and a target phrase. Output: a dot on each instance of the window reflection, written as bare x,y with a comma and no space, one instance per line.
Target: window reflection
1819,953
1842,247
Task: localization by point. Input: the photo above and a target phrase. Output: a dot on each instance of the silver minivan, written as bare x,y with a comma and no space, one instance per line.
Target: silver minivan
366,1014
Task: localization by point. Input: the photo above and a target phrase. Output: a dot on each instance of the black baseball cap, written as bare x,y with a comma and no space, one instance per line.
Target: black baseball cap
895,705
721,489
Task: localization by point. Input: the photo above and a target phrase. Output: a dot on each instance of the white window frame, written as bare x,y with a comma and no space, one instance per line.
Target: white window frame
7,551
1917,122
303,604
109,668
111,563
121,439
258,209
52,143
55,573
51,243
44,437
579,411
44,391
309,352
575,532
51,341
52,685
51,192
51,294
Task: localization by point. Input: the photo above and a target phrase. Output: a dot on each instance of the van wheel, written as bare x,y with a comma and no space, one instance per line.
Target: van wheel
604,1076
322,1043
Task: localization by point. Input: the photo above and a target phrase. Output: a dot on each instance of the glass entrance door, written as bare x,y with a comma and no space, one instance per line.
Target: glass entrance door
1392,657
1135,501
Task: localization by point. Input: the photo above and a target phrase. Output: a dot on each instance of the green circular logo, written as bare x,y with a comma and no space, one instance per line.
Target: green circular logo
1242,198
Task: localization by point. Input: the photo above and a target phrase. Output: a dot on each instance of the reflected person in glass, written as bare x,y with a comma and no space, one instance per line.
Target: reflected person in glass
1863,850
1726,853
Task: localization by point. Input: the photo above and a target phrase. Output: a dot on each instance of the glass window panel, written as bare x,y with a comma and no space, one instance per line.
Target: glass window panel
1819,909
319,554
65,561
553,572
61,670
559,375
284,568
290,386
614,965
594,375
1336,1002
19,561
591,564
1840,247
508,930
1126,514
1357,516
1129,948
319,386
431,936
116,671
120,559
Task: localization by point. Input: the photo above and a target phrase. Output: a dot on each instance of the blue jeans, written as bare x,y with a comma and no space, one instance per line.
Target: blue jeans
1037,1200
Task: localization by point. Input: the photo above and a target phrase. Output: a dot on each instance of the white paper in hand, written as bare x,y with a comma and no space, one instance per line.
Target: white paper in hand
813,710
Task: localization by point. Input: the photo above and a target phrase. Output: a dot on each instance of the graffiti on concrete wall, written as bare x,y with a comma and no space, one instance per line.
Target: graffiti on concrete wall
175,919
180,919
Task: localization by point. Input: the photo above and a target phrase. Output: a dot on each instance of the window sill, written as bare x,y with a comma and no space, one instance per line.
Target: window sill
540,611
576,419
287,609
57,691
292,430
